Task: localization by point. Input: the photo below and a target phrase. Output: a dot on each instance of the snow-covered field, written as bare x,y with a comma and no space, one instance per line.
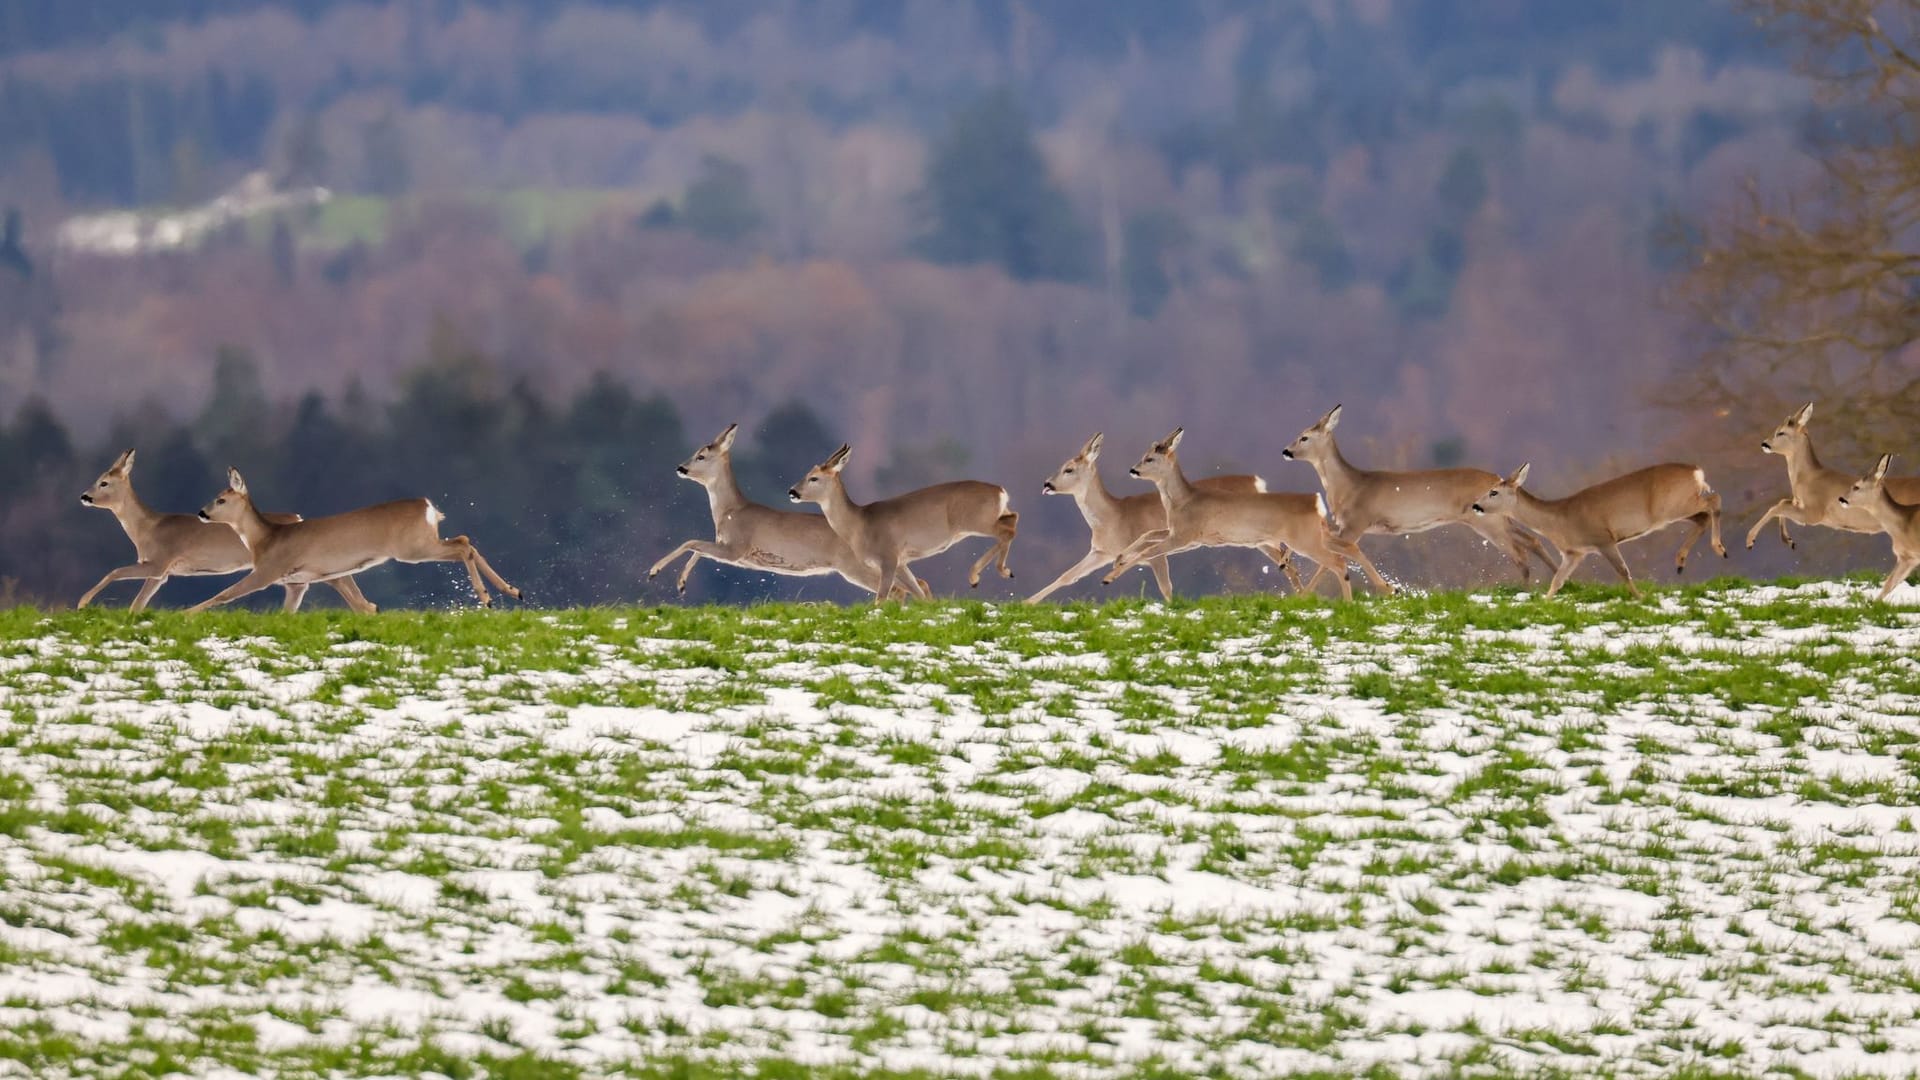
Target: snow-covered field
1480,835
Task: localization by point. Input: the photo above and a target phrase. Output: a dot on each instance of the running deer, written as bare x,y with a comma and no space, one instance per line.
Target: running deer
761,537
1366,501
891,533
1117,521
1898,518
1268,522
1816,488
329,548
178,545
1602,517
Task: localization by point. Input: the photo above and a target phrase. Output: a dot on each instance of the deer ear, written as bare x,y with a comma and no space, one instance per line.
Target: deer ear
1520,475
1332,419
1092,449
1805,414
839,459
235,482
123,463
1172,441
1880,467
725,441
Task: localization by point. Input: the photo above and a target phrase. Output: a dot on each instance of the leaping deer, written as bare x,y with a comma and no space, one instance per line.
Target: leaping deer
745,533
891,533
178,545
329,548
1366,501
1602,517
1816,488
1268,522
1117,521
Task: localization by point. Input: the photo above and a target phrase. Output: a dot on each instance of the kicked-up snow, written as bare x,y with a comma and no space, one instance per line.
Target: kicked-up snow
1487,835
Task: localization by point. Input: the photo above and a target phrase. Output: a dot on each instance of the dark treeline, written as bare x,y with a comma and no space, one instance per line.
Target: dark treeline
572,500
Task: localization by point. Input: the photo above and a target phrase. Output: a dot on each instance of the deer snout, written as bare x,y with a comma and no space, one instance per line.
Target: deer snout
682,470
793,494
1287,453
86,499
1133,472
202,515
1766,448
1843,501
1478,509
1046,488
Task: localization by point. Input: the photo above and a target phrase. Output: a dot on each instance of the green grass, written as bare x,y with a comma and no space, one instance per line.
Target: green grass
1240,836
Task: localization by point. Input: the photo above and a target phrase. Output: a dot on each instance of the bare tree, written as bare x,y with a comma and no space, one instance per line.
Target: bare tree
1812,292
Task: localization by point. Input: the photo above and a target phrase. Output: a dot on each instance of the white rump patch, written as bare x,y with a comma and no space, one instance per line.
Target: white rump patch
434,516
1260,484
1005,506
1319,505
1700,477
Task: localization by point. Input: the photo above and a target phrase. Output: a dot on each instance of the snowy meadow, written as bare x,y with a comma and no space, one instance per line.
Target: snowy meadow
1461,834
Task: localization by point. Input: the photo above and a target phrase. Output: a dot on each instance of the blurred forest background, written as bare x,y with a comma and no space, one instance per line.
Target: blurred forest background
520,257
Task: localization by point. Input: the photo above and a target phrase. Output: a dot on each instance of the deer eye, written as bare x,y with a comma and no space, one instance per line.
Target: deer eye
1068,469
103,483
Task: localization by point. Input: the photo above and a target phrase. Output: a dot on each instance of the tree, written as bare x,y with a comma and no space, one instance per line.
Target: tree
232,426
13,255
987,198
1813,292
388,169
719,205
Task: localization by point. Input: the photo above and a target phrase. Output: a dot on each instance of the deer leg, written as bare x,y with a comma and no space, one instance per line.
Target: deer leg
1500,535
1134,553
487,569
1162,576
1898,578
1713,520
296,591
137,570
1284,560
1003,529
717,552
1611,552
1699,522
1334,561
252,583
1351,550
1568,561
686,571
349,591
456,549
146,592
890,568
1091,561
1529,544
1785,510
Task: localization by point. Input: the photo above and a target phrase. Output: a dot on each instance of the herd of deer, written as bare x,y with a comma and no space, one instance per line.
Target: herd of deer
874,545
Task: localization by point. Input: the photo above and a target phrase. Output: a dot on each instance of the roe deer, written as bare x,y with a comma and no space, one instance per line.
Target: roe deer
1900,520
891,533
1366,501
1602,517
328,548
1268,522
1117,521
169,545
1817,488
761,537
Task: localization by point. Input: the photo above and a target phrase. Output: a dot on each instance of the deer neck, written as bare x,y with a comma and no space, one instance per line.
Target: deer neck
135,516
1097,504
1895,517
1175,489
1337,474
254,531
842,513
1802,464
1536,513
724,495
